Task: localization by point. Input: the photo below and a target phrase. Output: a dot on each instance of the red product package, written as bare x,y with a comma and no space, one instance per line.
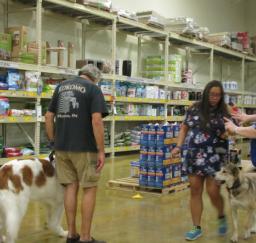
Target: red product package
243,38
13,154
11,150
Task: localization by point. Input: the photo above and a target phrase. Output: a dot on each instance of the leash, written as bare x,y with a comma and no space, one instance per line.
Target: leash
51,156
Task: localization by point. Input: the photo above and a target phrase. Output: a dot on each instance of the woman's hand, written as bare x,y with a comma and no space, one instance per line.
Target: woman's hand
175,152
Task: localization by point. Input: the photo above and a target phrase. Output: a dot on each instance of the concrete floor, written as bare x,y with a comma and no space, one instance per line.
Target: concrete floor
121,219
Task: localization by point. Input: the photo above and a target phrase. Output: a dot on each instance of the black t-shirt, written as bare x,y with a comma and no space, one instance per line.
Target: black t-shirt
73,102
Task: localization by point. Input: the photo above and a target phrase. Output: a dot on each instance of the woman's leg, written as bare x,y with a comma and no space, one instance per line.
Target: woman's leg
196,200
213,190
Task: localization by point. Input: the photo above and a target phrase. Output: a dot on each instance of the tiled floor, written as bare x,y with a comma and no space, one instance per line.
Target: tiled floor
121,219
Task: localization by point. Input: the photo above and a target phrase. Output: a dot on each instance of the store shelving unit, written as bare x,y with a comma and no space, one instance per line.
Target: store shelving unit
130,27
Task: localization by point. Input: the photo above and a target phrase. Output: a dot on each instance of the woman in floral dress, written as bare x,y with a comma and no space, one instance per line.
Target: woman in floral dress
204,131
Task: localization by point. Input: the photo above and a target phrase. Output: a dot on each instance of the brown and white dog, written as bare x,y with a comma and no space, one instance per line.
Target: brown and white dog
242,194
25,180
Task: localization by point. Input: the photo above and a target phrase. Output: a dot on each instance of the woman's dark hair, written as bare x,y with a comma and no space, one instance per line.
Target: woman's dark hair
204,105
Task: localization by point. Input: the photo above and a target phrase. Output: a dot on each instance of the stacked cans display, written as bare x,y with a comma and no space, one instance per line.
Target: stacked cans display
156,144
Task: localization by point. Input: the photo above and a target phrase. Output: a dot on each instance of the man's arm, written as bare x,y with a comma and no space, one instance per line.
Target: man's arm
49,125
243,117
98,131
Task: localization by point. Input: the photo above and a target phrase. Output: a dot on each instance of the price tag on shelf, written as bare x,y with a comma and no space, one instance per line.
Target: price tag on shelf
6,64
38,111
12,119
69,71
27,119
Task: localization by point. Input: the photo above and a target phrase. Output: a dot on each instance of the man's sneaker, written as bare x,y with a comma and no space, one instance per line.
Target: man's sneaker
92,241
74,239
194,233
223,226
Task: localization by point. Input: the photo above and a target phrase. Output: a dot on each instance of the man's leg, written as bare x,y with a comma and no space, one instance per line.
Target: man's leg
87,210
70,203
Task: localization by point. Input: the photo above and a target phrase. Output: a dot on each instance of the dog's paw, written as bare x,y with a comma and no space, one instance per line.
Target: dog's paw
63,233
234,239
2,239
247,234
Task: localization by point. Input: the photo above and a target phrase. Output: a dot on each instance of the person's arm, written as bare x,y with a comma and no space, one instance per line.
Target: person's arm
49,125
248,132
98,131
182,135
243,117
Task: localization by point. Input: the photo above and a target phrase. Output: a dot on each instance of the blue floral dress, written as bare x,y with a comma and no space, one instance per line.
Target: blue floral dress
206,150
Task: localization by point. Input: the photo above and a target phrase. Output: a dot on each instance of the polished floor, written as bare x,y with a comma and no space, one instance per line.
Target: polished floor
121,219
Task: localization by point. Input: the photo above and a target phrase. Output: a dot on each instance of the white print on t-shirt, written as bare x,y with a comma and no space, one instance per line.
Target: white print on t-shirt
66,102
74,87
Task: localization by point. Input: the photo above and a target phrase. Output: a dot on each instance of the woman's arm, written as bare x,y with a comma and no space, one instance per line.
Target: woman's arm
182,135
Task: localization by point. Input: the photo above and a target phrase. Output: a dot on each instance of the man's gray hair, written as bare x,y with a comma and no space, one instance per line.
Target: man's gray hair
91,71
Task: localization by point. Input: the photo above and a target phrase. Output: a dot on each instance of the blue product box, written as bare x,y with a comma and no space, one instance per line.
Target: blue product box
151,135
164,135
143,177
163,155
176,170
163,176
176,130
144,135
143,153
151,176
151,156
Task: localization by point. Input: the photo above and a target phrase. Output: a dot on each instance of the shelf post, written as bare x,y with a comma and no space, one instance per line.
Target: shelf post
38,100
5,15
112,133
243,74
187,58
139,56
83,39
211,63
166,66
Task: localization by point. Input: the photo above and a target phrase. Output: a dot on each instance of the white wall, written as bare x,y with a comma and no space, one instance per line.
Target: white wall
250,16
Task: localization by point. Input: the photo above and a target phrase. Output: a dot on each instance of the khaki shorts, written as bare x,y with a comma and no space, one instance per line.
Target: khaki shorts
77,166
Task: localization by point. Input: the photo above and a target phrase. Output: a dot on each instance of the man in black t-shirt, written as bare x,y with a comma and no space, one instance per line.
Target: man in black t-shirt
78,107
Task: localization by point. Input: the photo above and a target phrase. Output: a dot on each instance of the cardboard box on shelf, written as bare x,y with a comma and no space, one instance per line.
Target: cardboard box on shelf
33,49
19,39
5,46
30,55
70,58
101,4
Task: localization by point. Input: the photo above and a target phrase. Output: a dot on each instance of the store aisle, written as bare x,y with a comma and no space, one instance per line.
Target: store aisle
121,219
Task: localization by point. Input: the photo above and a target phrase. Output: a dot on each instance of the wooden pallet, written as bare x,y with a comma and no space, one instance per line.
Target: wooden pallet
132,184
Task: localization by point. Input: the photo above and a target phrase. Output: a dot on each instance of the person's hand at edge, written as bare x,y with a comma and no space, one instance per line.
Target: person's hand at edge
100,161
230,126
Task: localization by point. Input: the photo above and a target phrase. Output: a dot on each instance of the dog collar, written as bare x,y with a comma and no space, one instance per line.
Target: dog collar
233,190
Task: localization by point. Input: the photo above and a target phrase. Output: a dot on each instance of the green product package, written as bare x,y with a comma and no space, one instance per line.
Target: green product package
5,46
